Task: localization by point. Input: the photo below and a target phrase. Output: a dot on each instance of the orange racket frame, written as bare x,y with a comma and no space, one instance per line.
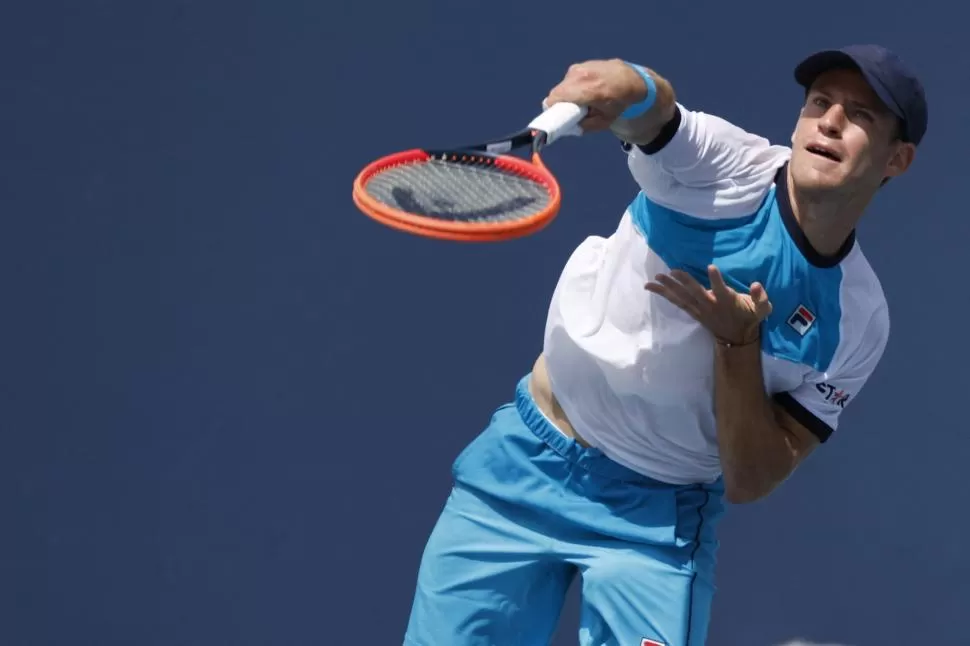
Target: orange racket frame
559,120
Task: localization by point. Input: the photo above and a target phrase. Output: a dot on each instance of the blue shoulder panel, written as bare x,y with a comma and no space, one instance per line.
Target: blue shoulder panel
804,325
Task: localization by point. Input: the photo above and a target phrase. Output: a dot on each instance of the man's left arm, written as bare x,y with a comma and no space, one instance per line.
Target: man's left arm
763,438
760,443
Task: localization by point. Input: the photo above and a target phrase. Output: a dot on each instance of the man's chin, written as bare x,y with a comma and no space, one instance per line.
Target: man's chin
810,178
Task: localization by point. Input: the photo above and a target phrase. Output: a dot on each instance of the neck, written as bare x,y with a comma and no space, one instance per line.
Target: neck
827,220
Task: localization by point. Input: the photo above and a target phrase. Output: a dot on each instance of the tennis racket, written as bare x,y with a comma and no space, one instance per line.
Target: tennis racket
475,193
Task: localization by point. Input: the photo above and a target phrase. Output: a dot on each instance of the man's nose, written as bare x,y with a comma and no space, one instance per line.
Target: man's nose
832,121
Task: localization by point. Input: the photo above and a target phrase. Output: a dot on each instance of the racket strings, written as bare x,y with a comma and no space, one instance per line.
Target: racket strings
463,192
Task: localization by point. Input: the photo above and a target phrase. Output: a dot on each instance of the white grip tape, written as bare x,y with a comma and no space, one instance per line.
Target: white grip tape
560,120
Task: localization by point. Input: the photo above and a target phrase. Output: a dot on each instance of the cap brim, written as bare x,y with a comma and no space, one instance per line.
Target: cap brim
809,69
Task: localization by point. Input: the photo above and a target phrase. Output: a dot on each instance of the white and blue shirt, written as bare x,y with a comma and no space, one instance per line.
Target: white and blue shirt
635,374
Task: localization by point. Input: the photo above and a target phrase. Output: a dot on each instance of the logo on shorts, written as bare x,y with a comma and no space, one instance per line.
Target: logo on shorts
651,642
801,320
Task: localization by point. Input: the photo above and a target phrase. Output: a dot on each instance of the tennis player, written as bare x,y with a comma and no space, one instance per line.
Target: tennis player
693,358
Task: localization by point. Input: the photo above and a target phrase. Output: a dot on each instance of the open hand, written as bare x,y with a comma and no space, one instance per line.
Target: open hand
731,317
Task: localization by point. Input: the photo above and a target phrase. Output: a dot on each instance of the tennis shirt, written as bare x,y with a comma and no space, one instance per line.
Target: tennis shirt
635,374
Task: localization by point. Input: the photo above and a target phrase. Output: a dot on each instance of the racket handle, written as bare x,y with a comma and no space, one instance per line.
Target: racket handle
560,120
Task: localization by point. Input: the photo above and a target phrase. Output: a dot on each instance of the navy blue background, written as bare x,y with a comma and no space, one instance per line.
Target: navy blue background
229,402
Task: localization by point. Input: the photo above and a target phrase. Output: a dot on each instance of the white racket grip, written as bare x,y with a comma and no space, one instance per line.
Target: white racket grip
560,120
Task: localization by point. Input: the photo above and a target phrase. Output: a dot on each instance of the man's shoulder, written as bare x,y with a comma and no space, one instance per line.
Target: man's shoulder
709,179
862,288
865,309
710,131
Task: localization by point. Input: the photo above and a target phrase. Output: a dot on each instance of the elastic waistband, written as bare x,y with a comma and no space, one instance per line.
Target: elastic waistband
589,458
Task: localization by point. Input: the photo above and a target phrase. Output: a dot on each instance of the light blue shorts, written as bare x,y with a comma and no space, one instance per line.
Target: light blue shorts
529,509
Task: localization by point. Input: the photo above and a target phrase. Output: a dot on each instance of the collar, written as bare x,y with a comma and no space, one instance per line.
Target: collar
782,196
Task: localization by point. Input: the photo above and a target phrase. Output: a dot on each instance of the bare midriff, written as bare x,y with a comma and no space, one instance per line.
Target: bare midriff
541,391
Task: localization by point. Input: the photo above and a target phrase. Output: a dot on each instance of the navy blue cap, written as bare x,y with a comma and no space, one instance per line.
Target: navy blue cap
891,79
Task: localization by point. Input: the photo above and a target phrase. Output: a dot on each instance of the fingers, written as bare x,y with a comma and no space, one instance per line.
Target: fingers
757,292
694,288
718,286
573,90
596,85
762,305
681,289
595,119
674,292
722,310
686,292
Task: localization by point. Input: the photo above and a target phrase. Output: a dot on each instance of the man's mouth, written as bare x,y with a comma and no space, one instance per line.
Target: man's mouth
823,151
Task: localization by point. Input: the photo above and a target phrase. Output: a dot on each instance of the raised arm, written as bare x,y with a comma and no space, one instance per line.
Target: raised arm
692,162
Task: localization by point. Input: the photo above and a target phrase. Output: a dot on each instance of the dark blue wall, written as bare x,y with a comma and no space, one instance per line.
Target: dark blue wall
229,402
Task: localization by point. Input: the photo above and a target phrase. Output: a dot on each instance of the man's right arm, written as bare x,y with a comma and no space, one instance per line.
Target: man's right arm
697,163
694,163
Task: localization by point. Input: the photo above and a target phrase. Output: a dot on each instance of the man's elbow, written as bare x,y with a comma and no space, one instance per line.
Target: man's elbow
748,488
738,495
749,480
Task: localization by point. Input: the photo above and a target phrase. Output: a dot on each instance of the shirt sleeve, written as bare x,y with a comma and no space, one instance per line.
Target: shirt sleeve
706,167
818,403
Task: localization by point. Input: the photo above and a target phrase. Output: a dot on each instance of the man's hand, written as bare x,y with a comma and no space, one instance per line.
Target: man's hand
607,88
731,317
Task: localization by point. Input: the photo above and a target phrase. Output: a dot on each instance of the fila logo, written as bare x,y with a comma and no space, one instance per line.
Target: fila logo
801,320
651,642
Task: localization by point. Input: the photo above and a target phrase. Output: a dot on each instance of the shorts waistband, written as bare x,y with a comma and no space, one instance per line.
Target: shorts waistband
589,458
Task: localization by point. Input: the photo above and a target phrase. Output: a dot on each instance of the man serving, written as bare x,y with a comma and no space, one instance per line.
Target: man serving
697,355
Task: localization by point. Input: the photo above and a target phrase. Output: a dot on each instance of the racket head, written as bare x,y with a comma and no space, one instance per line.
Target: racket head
459,195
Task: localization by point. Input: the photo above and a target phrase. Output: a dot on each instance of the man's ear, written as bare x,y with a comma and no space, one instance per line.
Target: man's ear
901,159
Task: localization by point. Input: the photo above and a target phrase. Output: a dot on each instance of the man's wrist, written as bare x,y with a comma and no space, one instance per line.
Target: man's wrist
645,94
745,339
649,107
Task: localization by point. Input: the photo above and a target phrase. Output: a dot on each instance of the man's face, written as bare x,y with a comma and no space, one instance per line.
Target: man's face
845,139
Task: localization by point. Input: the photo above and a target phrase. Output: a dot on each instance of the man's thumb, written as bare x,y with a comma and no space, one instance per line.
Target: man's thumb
761,303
